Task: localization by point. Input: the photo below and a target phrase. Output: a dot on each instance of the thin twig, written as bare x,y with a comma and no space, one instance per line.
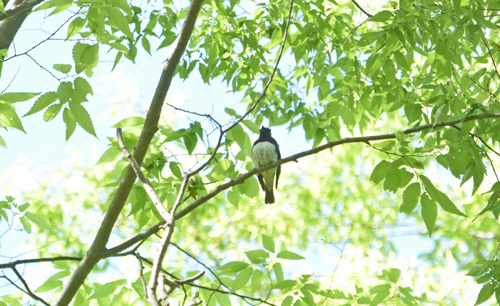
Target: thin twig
141,274
146,184
27,288
361,9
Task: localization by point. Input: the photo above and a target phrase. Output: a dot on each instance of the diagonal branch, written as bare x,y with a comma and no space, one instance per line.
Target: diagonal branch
98,248
146,184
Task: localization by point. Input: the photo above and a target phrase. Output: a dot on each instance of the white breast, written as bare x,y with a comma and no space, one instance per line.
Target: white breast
263,153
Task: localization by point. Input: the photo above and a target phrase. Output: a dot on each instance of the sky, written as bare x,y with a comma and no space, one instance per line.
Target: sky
126,91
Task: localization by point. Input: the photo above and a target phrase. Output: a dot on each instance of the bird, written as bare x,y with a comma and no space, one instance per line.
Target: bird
265,150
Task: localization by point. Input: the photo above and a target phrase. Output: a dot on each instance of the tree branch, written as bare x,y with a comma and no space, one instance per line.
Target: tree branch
361,139
98,248
146,184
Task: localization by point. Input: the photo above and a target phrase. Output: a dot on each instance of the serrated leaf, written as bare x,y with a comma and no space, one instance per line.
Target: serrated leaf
485,293
13,97
52,111
70,122
42,102
9,117
380,171
75,26
268,243
411,196
119,21
64,91
441,198
82,117
82,89
242,279
289,255
429,212
64,68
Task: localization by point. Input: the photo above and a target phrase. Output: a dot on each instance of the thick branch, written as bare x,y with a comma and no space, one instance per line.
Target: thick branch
98,248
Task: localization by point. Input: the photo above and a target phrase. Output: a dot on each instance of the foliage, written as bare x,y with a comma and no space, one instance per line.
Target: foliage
346,70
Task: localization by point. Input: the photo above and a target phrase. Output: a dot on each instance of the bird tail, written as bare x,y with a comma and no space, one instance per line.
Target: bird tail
269,197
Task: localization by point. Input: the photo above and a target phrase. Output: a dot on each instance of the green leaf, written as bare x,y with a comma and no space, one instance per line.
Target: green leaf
64,68
190,141
233,197
441,198
233,267
176,170
381,16
242,279
285,284
42,102
13,97
64,91
257,278
82,117
38,220
53,282
119,21
9,117
75,26
110,155
485,293
289,255
287,301
392,179
380,171
129,122
257,256
410,198
278,271
429,212
169,39
52,111
394,275
82,89
70,122
107,289
268,243
26,224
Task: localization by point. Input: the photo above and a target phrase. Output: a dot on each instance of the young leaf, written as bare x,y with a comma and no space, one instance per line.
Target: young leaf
268,243
129,122
381,16
64,68
75,26
52,111
64,91
429,212
410,198
42,102
110,155
278,272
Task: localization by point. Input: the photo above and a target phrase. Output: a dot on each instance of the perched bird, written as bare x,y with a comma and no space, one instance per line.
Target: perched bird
265,150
